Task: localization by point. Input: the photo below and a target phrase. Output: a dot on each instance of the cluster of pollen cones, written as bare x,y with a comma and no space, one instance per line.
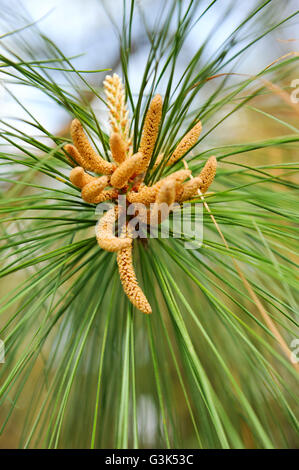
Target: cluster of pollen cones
125,174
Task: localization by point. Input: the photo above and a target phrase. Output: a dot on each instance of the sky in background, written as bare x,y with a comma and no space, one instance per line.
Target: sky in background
86,27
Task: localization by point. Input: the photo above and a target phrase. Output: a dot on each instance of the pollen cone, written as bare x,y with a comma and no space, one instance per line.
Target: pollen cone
93,190
208,173
122,174
190,188
129,280
105,236
150,132
90,159
79,178
186,143
118,147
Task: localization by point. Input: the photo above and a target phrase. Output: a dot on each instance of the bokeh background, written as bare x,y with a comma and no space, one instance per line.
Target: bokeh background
85,30
88,28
